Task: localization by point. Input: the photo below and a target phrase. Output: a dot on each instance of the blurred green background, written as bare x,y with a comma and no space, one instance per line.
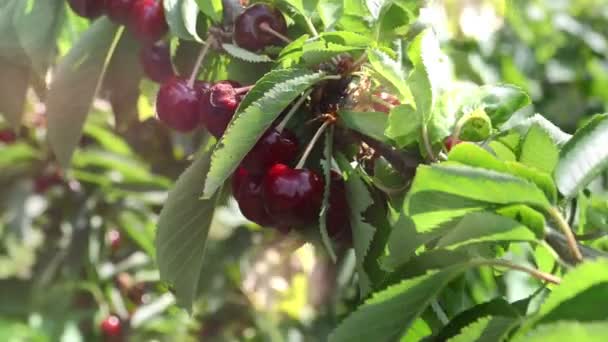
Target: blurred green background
78,245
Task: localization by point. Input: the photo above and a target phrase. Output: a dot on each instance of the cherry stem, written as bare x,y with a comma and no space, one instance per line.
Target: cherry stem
243,90
266,28
199,60
281,126
312,144
427,143
359,61
567,231
550,278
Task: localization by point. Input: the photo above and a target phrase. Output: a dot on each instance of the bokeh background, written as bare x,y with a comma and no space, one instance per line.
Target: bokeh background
77,245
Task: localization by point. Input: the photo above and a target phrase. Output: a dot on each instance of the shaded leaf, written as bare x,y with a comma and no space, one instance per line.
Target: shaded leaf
245,55
568,331
371,124
183,227
404,125
488,329
181,15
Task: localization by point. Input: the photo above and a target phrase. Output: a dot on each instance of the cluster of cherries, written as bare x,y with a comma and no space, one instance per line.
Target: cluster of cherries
273,194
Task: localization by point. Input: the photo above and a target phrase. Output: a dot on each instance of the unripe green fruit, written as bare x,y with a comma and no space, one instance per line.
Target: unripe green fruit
475,126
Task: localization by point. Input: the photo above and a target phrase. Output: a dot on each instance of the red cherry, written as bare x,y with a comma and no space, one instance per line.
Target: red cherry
119,10
388,98
90,9
156,62
247,31
273,148
247,190
7,136
147,20
45,181
292,197
338,216
217,106
111,326
114,239
177,105
450,142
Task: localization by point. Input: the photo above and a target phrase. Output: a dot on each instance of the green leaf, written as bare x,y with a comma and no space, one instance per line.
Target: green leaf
390,313
258,110
392,71
11,155
183,227
478,184
304,7
320,51
359,200
584,157
245,55
538,150
375,7
404,125
500,102
293,52
182,15
212,9
37,26
576,297
487,329
347,38
526,216
75,83
371,124
568,331
522,127
14,84
485,227
330,12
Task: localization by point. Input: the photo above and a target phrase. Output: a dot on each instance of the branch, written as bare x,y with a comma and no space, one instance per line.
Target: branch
547,277
567,231
403,161
559,243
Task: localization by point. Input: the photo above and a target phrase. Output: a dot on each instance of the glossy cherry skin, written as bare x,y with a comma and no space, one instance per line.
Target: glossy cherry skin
273,148
177,105
147,20
247,31
156,62
292,196
247,190
388,98
217,106
111,326
87,8
338,215
7,136
119,10
450,142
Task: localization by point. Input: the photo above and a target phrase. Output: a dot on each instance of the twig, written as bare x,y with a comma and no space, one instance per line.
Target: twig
403,162
567,231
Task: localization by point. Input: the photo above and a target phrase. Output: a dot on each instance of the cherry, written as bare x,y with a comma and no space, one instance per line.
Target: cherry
247,190
292,196
47,180
111,326
119,10
90,9
217,106
274,147
147,20
388,98
338,216
247,31
156,62
114,239
177,105
7,136
450,142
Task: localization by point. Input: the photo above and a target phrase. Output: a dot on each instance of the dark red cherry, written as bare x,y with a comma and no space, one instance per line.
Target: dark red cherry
292,196
338,216
45,181
247,190
156,62
147,20
217,106
119,10
450,142
111,326
7,136
87,8
247,31
273,148
388,98
177,105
